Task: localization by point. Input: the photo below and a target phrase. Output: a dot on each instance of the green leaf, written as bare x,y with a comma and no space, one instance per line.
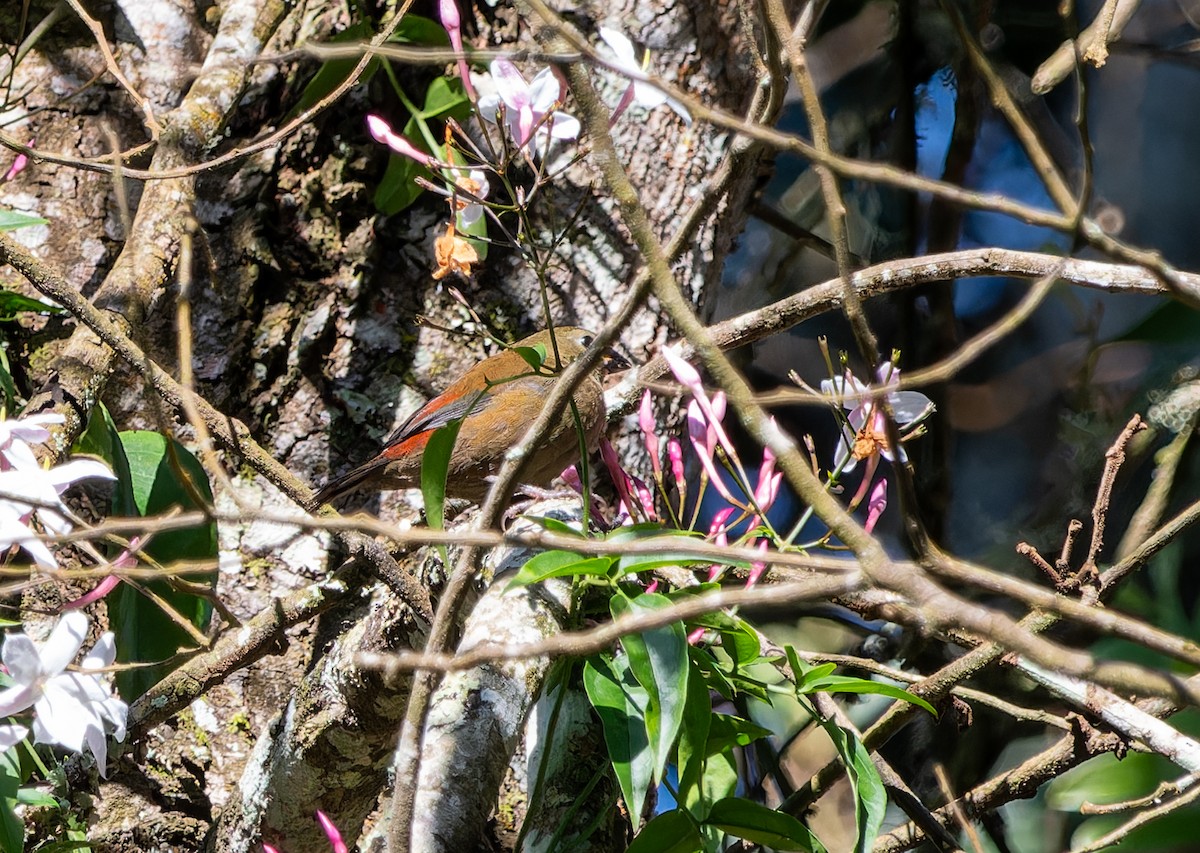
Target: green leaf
846,684
661,554
713,676
727,732
12,304
435,465
559,564
12,828
693,742
817,679
416,29
335,72
7,386
555,525
10,220
745,819
398,187
670,832
534,356
869,795
446,97
813,675
620,702
34,797
143,631
102,439
659,661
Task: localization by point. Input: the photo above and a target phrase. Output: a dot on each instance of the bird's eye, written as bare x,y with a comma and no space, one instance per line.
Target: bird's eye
586,340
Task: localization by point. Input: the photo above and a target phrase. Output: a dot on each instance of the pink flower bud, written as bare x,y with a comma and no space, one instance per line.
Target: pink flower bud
756,568
649,437
571,477
675,458
381,131
716,528
876,504
331,832
452,21
620,479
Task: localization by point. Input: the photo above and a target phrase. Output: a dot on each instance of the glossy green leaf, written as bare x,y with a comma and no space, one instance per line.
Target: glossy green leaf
335,72
846,684
817,679
555,525
13,303
398,187
446,97
727,732
417,29
810,675
534,356
659,553
8,388
869,795
144,633
669,832
693,742
102,439
10,220
34,797
559,564
745,819
12,828
713,675
659,661
621,702
435,465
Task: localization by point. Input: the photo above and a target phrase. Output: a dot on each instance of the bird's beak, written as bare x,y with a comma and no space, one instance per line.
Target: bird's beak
612,361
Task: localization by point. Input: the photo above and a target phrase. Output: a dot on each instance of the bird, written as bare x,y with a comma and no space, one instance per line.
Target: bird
496,401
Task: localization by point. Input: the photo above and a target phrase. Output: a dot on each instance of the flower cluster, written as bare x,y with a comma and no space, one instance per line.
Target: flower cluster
747,495
72,709
27,490
532,120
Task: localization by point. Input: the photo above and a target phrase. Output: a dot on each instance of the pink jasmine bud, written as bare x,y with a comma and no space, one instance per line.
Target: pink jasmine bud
18,166
757,568
331,832
695,637
571,477
716,415
688,376
684,372
717,528
381,131
718,405
620,479
652,586
705,456
98,592
768,481
876,504
675,458
645,497
649,437
452,21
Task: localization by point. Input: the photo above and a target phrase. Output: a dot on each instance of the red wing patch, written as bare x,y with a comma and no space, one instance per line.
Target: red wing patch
408,447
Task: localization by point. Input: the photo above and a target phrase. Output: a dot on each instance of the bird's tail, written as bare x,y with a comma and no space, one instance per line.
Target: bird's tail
341,486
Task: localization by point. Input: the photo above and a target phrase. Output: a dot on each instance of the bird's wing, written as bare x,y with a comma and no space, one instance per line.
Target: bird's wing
437,413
